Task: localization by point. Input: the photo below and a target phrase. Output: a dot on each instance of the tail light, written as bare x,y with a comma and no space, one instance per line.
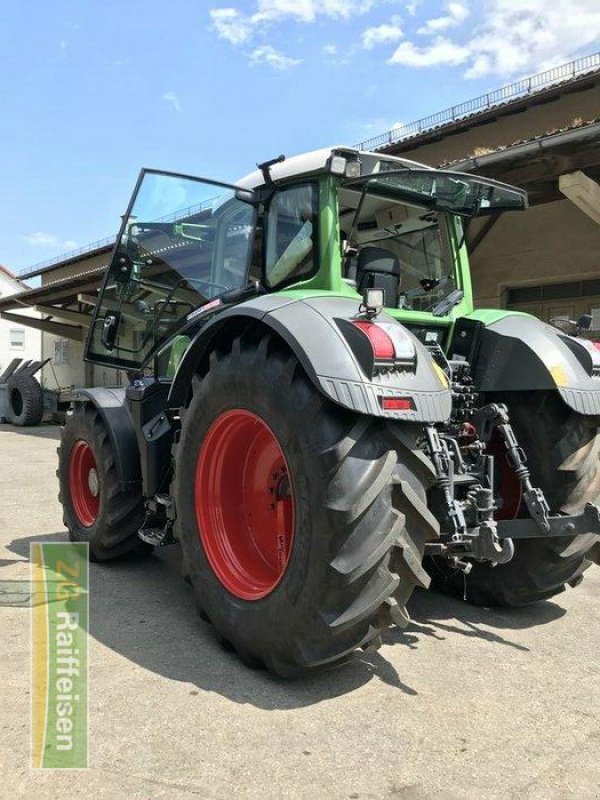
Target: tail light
379,346
396,403
381,343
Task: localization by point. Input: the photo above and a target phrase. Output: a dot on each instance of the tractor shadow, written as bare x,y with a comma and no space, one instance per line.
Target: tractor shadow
142,609
48,430
435,614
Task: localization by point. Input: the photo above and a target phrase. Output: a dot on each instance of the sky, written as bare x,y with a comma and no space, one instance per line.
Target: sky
90,92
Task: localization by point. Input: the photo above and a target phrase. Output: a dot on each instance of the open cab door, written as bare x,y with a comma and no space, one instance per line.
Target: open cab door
184,241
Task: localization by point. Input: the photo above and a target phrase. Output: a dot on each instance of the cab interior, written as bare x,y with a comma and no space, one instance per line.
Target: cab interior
401,248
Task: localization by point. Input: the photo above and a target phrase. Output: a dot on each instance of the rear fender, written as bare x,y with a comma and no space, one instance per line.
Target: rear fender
521,353
112,407
308,326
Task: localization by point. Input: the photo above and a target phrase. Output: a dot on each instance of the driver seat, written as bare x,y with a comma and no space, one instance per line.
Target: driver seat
377,268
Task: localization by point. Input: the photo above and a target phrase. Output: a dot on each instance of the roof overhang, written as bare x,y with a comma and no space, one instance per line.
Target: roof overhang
536,165
68,300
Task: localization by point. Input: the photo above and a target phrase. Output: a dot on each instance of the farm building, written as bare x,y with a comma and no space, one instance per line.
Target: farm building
17,338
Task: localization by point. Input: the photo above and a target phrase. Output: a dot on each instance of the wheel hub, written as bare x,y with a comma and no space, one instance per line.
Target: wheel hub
83,483
93,482
244,504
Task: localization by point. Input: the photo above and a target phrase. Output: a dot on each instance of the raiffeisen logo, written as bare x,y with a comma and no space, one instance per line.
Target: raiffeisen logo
59,656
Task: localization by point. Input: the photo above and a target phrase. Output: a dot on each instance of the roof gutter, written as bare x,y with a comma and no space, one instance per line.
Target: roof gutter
527,149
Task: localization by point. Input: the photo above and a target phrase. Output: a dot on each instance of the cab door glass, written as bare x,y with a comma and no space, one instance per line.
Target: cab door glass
184,242
291,235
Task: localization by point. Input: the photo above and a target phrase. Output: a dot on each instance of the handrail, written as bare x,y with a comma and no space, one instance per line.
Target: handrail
41,266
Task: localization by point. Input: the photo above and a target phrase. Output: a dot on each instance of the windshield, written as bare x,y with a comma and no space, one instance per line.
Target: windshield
185,242
448,191
401,248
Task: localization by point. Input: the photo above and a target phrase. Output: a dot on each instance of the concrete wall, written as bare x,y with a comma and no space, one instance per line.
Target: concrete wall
32,338
550,243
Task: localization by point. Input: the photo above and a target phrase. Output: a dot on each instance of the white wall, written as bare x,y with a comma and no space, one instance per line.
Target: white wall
32,347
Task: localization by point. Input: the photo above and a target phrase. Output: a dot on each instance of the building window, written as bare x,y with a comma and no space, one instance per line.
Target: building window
515,295
61,351
17,339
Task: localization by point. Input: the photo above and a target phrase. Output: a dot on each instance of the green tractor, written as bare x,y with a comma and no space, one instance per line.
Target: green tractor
317,414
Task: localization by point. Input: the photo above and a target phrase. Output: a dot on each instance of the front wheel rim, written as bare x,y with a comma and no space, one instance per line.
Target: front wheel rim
83,483
244,504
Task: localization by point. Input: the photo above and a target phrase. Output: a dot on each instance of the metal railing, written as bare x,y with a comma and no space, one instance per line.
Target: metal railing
41,266
108,241
484,102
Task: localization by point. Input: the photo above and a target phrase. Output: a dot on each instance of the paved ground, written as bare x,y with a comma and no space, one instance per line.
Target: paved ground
467,704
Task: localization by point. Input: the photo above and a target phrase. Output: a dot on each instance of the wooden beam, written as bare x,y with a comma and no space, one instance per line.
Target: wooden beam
78,317
46,325
88,299
478,238
583,192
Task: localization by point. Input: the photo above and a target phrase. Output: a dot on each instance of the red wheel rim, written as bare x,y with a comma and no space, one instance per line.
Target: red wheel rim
83,483
507,488
244,504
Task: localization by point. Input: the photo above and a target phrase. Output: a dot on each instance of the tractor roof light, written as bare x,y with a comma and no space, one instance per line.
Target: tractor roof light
337,165
347,167
353,169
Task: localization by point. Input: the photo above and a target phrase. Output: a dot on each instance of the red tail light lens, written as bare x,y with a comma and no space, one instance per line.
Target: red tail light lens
381,343
396,403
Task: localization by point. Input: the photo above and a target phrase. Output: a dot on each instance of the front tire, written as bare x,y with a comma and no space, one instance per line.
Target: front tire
336,562
95,508
563,453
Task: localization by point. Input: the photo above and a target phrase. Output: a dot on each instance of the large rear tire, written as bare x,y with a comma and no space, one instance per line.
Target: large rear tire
95,508
290,537
563,453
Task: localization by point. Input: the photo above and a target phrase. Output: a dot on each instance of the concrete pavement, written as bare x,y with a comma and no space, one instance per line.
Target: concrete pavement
467,703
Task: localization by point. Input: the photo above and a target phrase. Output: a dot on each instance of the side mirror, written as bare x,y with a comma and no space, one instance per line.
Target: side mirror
247,196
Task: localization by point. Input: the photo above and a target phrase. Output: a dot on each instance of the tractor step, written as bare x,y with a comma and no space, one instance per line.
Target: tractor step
157,528
159,537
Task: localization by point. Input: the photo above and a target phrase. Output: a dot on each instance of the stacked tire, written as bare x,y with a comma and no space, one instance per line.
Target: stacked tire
25,401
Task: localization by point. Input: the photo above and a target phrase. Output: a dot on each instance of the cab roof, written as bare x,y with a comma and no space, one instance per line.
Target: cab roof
316,161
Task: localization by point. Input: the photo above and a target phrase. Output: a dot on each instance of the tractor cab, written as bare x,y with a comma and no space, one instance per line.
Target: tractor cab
332,221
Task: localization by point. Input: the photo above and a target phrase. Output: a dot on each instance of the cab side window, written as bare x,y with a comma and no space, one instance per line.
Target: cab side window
291,235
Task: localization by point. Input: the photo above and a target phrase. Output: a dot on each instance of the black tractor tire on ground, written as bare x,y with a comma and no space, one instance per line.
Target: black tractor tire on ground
25,401
563,455
110,518
356,554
